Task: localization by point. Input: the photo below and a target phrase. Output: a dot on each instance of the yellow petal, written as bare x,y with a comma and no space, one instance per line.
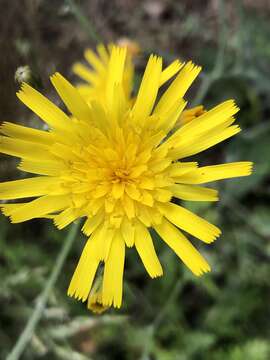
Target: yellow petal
115,72
40,207
162,195
210,173
102,120
144,246
201,143
220,114
182,247
147,198
65,218
178,87
170,71
95,205
84,274
63,152
190,222
156,216
180,168
26,134
8,209
194,193
24,188
132,191
112,288
103,53
84,72
148,89
168,118
45,167
129,207
144,215
109,204
118,190
147,183
118,105
24,149
101,190
128,232
92,223
138,171
102,237
44,108
71,97
93,60
160,165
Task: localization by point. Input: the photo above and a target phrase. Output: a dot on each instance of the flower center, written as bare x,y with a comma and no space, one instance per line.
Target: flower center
121,174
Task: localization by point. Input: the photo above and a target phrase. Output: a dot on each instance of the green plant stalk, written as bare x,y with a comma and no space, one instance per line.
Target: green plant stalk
33,321
83,21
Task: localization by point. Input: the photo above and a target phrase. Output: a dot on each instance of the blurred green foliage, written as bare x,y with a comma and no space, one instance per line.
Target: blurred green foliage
222,316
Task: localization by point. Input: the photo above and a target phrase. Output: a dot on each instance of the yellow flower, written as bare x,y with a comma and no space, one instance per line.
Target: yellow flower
119,166
96,76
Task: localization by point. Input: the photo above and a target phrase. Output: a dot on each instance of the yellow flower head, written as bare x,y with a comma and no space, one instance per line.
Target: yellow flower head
119,166
95,76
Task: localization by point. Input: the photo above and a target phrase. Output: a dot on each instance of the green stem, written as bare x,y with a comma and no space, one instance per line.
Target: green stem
152,329
84,21
162,314
33,321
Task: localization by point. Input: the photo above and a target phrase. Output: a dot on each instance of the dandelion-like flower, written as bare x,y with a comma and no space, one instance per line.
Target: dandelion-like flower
95,76
119,166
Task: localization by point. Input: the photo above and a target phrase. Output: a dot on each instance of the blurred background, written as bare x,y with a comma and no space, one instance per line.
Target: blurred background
225,314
